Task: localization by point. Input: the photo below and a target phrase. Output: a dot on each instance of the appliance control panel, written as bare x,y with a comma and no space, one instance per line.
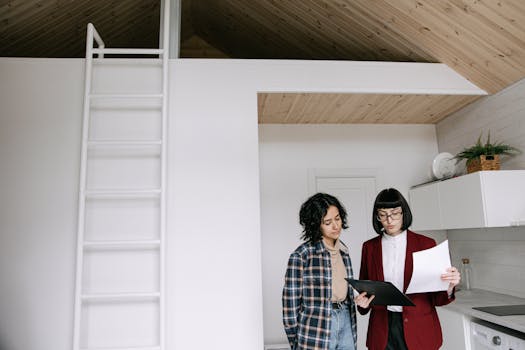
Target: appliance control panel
488,336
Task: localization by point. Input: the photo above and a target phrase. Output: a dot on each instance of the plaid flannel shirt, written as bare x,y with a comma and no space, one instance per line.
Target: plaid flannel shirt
307,297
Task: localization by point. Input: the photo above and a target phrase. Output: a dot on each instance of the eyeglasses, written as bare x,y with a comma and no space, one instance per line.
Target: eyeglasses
394,216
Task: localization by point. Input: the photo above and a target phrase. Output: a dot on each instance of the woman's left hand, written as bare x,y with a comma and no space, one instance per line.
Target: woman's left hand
452,276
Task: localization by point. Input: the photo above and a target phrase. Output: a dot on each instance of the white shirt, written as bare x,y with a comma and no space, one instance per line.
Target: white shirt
394,253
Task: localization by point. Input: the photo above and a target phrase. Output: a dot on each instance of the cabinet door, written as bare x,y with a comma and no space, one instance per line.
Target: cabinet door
455,327
503,197
461,202
424,203
481,199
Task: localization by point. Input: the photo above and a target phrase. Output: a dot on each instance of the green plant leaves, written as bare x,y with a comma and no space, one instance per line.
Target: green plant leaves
487,148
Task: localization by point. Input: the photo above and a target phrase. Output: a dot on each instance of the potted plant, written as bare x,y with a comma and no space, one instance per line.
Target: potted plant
485,156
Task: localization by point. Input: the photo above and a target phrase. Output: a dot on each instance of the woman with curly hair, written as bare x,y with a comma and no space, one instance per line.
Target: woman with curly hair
318,307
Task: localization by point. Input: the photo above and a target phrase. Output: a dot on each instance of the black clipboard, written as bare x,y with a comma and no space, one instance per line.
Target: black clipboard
385,292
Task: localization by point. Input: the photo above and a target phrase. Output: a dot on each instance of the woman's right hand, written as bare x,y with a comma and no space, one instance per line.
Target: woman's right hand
362,301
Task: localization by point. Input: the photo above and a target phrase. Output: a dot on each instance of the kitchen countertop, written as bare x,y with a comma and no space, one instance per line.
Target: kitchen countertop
466,299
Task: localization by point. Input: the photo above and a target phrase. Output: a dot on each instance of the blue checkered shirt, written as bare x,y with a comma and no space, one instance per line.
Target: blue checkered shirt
307,297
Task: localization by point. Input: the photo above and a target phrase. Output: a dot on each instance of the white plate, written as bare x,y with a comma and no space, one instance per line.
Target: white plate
444,166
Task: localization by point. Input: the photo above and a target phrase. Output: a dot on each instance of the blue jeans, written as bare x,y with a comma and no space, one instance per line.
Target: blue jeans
341,337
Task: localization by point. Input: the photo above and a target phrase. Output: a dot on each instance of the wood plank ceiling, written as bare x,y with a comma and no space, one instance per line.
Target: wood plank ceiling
57,28
303,108
484,41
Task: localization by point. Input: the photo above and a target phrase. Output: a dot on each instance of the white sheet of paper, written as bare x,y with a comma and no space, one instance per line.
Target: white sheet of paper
429,265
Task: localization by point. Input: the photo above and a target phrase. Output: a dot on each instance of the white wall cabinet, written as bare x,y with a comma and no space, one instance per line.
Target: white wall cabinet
455,328
424,203
481,199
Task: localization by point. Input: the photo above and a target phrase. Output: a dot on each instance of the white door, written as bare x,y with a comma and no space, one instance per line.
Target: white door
357,194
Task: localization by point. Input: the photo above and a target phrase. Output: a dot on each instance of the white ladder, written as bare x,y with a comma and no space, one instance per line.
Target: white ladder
120,271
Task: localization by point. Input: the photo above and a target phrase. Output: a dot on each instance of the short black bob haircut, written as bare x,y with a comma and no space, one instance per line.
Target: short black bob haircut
312,213
391,198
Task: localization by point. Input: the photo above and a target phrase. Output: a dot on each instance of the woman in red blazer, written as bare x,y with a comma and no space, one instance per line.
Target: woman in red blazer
388,257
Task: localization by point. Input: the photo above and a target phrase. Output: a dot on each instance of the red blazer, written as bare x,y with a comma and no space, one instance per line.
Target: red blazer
421,323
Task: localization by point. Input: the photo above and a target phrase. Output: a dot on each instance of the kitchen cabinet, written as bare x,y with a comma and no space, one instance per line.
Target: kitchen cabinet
426,212
480,199
456,329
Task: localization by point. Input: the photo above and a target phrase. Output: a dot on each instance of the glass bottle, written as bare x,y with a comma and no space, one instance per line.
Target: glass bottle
466,274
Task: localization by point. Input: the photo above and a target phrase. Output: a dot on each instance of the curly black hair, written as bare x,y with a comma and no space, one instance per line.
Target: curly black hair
391,198
312,213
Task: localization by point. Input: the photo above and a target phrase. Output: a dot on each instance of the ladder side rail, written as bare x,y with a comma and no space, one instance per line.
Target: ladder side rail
163,162
98,39
91,35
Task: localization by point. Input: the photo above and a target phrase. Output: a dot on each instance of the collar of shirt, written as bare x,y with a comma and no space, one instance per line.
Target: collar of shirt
320,246
392,239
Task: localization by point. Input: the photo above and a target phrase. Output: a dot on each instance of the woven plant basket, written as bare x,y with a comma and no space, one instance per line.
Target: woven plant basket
483,163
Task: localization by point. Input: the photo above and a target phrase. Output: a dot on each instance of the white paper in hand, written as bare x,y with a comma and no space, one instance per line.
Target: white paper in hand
429,265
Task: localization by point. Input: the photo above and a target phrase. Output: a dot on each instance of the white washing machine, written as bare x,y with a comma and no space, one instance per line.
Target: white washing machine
487,336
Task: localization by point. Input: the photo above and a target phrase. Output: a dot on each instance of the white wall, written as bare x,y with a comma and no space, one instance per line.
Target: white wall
214,243
400,154
496,257
503,114
41,104
496,253
214,264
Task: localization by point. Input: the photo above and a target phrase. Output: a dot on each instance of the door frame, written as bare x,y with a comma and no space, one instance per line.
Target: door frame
316,173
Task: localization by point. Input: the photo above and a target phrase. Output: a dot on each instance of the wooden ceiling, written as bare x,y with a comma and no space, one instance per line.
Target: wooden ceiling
290,108
484,41
57,28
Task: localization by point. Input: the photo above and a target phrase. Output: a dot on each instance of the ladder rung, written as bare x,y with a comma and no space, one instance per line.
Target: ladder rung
119,297
127,96
95,143
122,193
128,51
153,104
108,61
102,245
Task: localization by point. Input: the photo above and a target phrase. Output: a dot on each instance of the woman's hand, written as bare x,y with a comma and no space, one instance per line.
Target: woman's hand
362,301
452,276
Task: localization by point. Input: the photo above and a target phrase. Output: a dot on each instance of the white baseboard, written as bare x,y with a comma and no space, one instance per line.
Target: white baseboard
277,347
